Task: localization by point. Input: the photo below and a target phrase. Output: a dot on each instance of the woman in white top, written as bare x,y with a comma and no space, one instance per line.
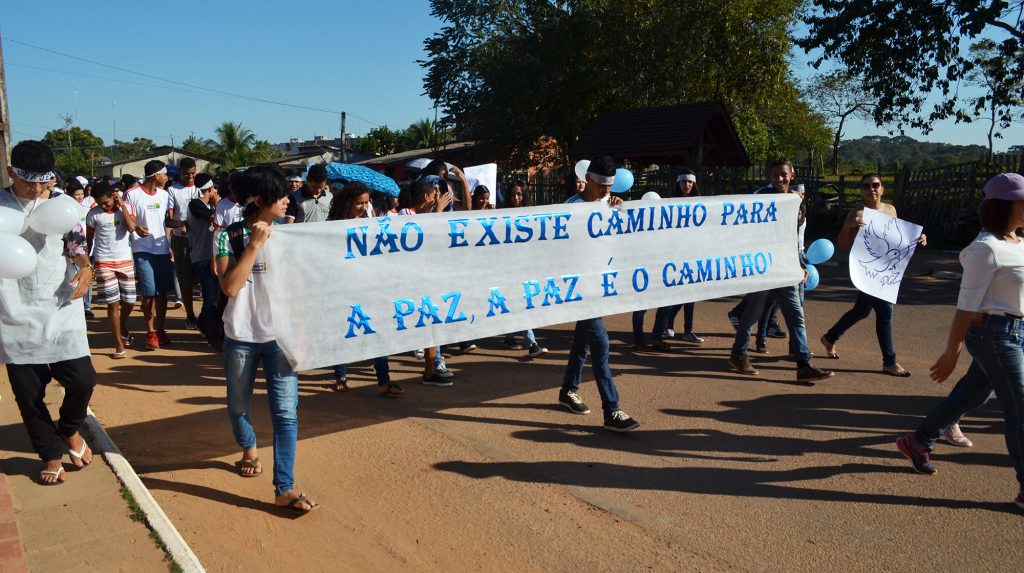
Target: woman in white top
249,333
990,320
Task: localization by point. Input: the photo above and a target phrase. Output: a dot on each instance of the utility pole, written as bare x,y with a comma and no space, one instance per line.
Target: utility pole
344,153
5,124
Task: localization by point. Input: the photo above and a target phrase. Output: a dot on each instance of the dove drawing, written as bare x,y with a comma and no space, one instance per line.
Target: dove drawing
886,248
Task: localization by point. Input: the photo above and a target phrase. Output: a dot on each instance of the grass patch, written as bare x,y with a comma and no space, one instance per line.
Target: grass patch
136,514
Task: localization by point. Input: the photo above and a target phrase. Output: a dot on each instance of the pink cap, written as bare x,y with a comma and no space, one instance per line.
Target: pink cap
1006,186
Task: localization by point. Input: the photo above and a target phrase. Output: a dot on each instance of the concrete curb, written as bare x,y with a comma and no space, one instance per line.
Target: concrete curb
155,516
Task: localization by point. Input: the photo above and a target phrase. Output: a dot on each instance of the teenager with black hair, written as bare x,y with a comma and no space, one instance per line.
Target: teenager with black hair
110,225
180,194
354,203
591,336
152,252
665,318
249,334
201,211
790,304
42,324
311,203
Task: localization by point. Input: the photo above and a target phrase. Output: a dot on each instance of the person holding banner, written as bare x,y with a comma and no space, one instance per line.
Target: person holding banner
42,322
665,318
591,336
871,190
989,320
249,333
354,203
517,198
790,304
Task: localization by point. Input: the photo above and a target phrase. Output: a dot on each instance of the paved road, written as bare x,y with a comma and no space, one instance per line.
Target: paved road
727,472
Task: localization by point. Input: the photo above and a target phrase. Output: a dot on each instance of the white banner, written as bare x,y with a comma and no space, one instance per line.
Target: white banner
880,254
362,288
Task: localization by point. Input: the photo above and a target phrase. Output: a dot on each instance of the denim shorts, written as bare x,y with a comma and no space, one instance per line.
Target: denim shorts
155,274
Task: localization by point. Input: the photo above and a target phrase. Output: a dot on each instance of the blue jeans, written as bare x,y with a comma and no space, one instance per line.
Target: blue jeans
381,367
883,324
240,362
665,319
792,311
211,292
997,346
638,326
592,337
529,339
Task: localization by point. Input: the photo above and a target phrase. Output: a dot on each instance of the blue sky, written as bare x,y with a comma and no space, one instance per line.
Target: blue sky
355,56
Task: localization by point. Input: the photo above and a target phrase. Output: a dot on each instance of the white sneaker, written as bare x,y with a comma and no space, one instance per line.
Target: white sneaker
443,371
954,437
419,353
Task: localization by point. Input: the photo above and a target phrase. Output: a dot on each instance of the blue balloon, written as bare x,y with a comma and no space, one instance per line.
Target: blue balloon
623,180
813,278
820,251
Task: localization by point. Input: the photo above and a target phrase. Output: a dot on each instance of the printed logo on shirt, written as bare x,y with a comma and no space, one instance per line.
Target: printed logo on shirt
259,268
154,206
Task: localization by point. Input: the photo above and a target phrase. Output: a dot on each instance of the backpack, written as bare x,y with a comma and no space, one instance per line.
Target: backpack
214,332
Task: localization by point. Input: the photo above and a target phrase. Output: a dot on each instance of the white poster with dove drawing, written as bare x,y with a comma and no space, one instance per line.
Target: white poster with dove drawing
880,254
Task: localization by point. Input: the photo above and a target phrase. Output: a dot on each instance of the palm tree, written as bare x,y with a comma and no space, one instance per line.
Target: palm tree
234,144
427,133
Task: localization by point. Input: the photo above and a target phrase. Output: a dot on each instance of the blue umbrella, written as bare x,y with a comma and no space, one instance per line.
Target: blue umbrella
350,173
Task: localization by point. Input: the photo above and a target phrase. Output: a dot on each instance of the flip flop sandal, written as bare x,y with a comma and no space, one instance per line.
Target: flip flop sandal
119,355
293,504
392,389
901,373
341,385
55,473
254,464
829,353
79,454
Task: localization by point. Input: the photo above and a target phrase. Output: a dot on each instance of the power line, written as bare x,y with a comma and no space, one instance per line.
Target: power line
185,84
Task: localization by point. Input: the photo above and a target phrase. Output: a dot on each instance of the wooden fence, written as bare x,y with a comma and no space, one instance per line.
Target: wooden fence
944,200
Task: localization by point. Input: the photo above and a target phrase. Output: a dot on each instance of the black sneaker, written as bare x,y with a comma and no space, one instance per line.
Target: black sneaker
774,331
536,350
571,400
437,380
921,458
619,421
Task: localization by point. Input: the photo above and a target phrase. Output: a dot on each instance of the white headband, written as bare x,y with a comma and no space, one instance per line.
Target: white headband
206,185
601,179
686,177
33,177
295,178
163,170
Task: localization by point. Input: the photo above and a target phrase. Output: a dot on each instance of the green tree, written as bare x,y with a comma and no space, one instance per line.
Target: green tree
427,133
75,149
128,149
1000,103
262,151
233,146
507,73
840,96
194,144
383,141
910,50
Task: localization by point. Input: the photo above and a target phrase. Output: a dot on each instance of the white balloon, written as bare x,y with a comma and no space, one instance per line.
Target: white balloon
19,258
650,196
12,221
55,216
581,169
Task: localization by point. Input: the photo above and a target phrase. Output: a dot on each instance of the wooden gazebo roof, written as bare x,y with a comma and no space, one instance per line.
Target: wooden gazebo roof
699,134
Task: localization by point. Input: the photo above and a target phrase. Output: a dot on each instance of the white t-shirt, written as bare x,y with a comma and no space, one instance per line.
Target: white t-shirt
247,315
993,280
226,212
180,196
110,240
150,212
